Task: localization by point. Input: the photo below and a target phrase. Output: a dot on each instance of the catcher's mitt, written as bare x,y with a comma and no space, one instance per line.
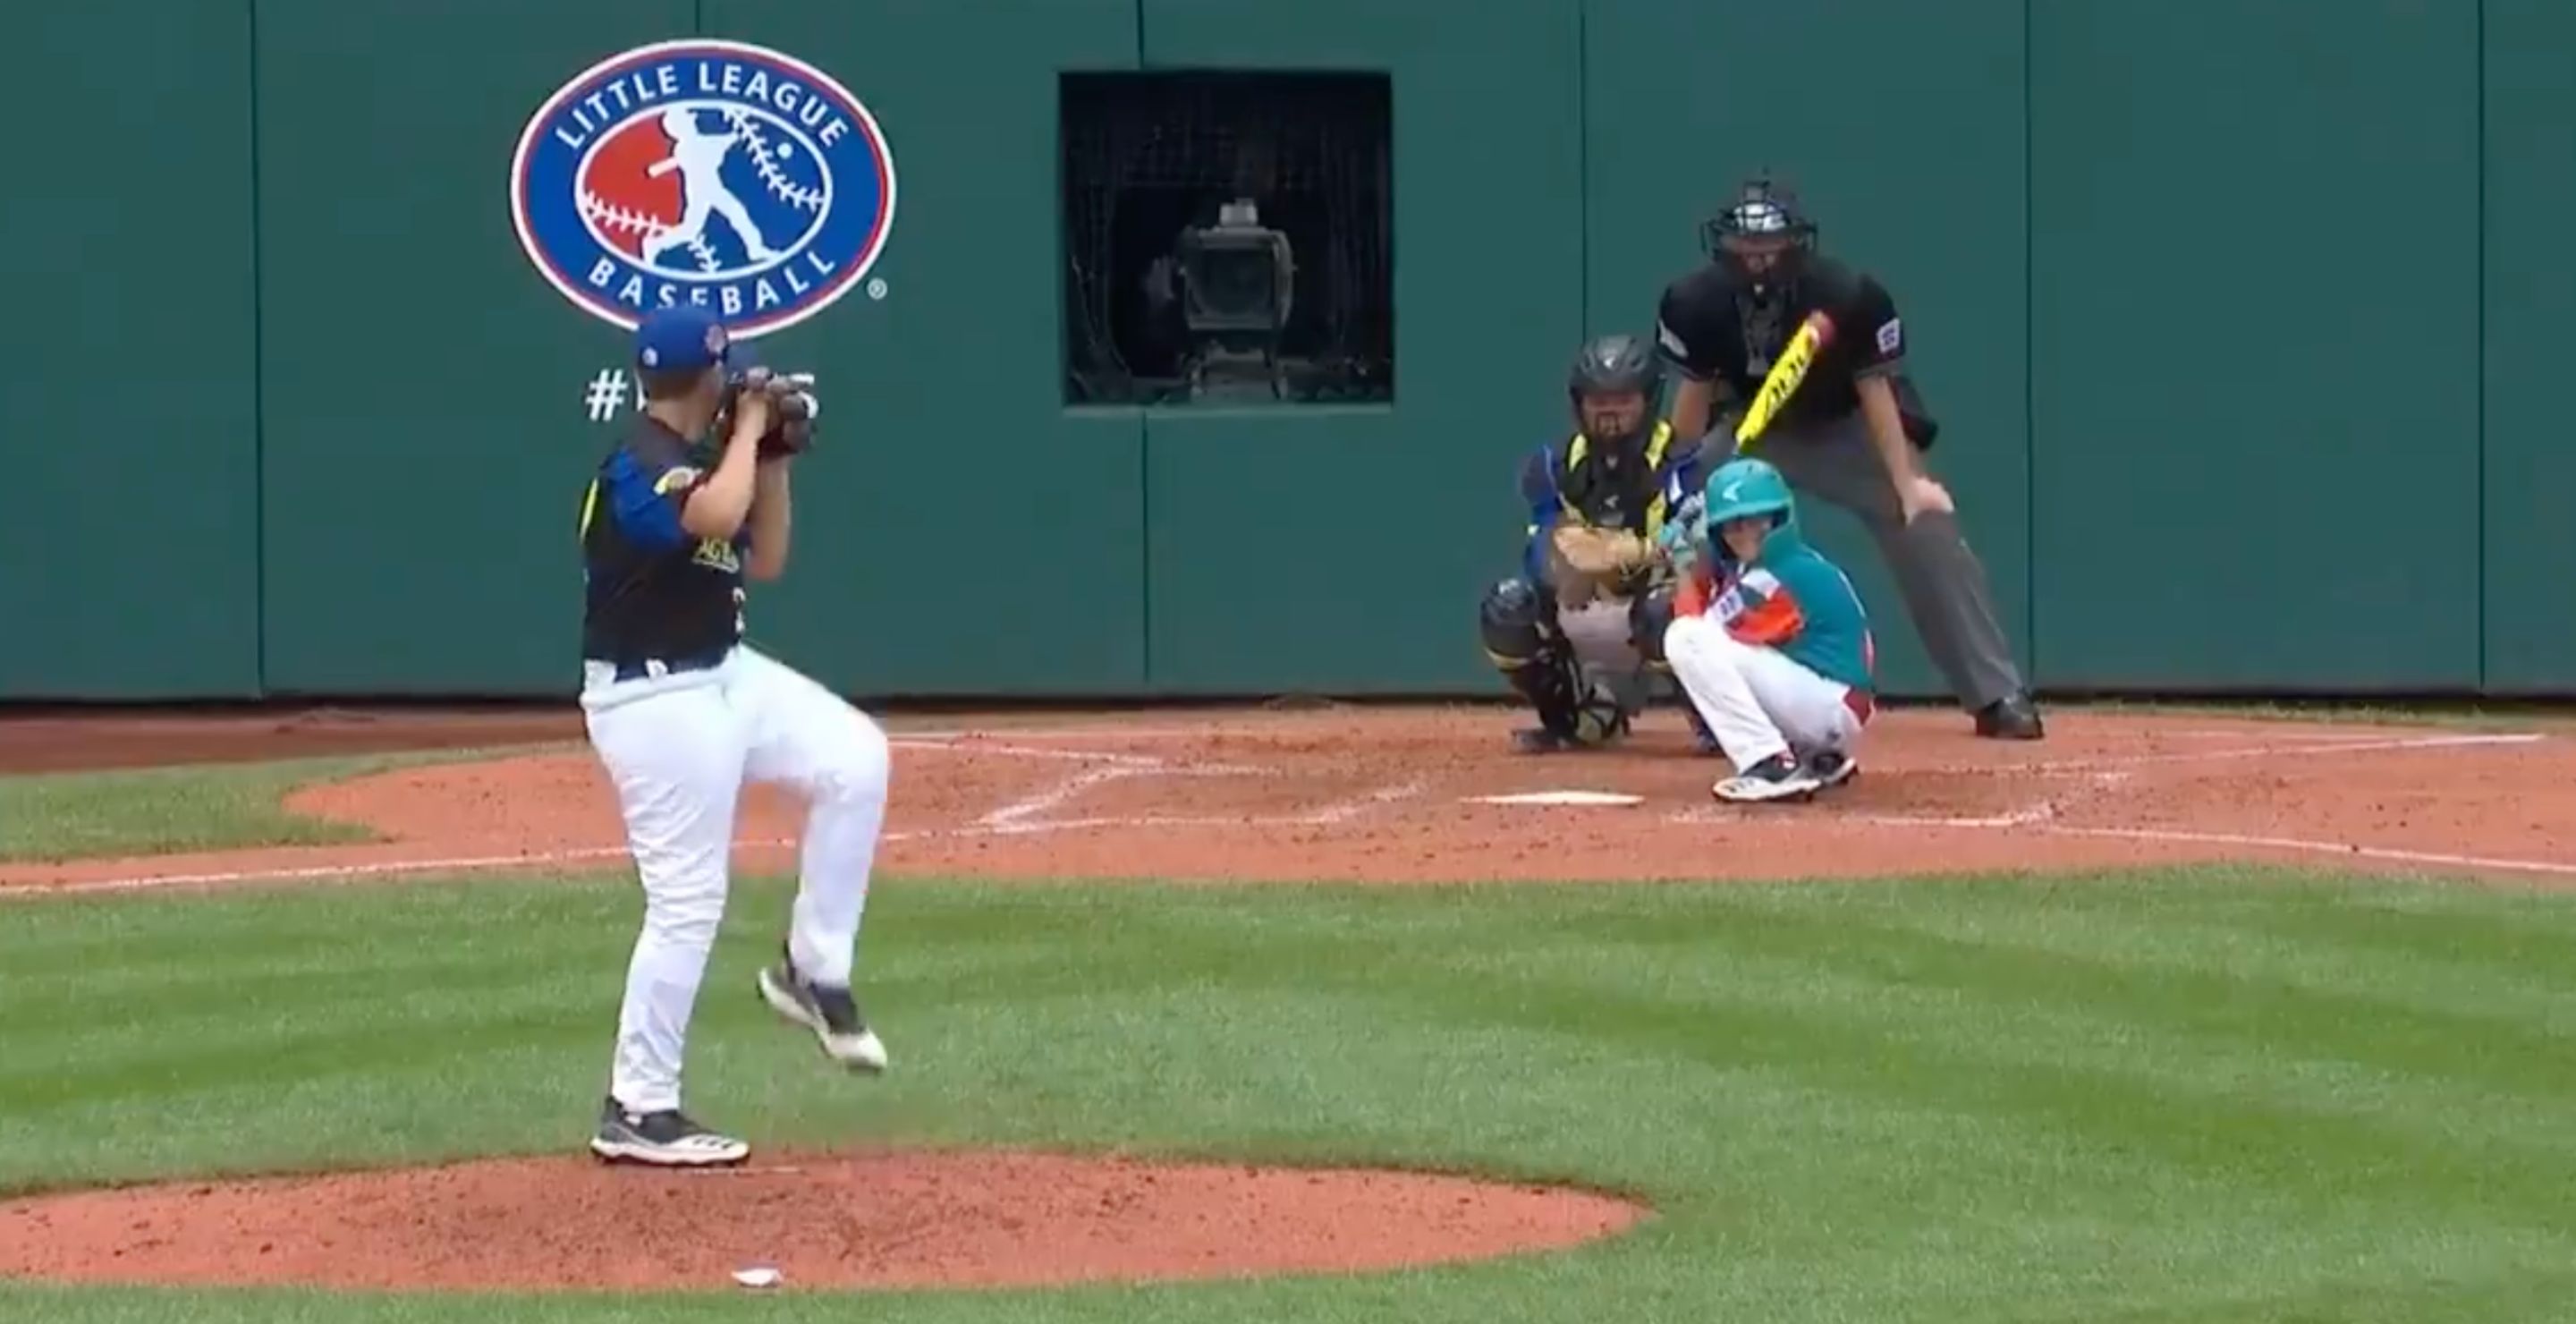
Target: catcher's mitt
1590,561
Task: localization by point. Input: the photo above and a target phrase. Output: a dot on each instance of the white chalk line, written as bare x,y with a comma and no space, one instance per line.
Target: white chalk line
2303,750
1014,819
2347,849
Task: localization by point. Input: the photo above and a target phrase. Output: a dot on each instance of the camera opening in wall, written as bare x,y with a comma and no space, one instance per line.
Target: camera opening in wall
1227,238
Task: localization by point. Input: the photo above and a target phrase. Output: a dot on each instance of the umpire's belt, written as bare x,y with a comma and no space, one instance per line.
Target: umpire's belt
637,668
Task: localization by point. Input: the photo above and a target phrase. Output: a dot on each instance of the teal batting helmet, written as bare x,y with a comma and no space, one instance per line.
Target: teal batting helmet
1743,488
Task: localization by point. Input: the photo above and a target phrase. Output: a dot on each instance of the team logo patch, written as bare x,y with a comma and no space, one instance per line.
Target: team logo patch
707,172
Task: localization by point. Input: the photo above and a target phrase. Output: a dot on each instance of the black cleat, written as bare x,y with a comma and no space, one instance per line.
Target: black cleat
2013,717
831,1013
1832,767
665,1139
1776,778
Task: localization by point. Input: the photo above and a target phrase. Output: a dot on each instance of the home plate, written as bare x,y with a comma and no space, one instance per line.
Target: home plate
1559,798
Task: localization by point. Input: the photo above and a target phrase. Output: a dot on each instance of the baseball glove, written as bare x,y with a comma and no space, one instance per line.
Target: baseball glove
791,429
1601,554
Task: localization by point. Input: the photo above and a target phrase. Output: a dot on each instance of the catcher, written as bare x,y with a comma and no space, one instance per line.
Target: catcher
1579,631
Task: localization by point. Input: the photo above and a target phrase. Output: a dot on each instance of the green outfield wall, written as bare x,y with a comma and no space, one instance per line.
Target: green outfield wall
2246,319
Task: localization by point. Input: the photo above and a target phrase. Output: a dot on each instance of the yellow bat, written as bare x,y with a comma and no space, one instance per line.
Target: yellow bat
1782,381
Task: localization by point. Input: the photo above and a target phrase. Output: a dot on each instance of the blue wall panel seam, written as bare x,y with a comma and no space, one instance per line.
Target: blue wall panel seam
2478,411
1583,165
2029,349
1145,677
258,390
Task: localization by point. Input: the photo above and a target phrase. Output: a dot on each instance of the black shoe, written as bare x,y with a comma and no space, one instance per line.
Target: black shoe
1832,767
1599,725
1776,778
831,1013
665,1139
2014,717
1539,740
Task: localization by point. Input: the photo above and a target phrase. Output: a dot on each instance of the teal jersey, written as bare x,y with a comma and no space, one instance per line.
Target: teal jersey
1791,598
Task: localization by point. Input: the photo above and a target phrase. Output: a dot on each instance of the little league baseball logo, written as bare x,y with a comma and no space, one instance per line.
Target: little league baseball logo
706,172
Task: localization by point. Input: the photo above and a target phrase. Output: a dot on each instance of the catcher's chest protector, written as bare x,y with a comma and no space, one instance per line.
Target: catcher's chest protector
1628,495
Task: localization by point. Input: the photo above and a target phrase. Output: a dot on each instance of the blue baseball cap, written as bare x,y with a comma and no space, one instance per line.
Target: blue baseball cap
680,338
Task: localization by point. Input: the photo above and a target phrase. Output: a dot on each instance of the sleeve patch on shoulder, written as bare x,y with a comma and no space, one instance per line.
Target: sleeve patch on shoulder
674,479
1891,336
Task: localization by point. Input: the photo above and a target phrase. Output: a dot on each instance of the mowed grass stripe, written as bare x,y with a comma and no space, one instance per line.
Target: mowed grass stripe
158,811
2001,1100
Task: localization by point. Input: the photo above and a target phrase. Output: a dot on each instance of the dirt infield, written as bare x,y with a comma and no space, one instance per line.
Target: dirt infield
1396,795
1363,795
828,1221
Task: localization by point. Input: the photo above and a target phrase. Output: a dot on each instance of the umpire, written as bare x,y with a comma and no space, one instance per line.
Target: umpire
1853,434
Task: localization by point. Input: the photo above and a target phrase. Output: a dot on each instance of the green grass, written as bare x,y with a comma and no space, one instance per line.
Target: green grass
2221,1096
160,811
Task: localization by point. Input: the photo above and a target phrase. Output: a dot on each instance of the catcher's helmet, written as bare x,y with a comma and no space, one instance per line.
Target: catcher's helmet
1616,363
1762,210
1612,365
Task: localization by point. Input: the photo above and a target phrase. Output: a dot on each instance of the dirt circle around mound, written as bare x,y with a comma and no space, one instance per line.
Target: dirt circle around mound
821,1221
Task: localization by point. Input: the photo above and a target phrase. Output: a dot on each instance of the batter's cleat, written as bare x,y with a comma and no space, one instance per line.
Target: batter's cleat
1831,767
2013,717
1776,778
831,1013
665,1139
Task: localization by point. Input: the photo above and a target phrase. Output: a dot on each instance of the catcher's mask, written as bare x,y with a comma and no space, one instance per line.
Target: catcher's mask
1615,387
1764,237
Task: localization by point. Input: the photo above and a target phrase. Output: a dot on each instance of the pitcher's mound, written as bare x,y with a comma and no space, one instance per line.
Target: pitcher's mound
882,1220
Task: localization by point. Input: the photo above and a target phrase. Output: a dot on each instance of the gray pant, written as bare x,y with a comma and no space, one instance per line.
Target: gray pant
1599,633
1943,584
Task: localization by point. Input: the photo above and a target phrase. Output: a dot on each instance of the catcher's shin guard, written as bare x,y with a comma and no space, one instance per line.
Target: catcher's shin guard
1522,641
1650,614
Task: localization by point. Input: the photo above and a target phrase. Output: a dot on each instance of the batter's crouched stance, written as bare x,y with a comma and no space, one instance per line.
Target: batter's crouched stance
1578,630
1770,643
1853,433
682,712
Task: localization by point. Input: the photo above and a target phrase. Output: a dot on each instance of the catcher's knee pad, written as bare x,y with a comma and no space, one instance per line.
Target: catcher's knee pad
1514,622
1522,639
1649,616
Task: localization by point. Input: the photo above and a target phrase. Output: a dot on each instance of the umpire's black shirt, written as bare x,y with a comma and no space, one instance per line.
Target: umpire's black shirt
1714,329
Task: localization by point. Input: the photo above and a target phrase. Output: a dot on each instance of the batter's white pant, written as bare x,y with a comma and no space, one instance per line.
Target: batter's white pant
678,749
1758,702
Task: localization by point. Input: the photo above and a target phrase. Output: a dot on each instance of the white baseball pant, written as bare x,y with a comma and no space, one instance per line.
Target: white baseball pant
678,749
1757,701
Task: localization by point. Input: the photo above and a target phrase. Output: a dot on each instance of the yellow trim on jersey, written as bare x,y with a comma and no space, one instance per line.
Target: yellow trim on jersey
589,506
1581,446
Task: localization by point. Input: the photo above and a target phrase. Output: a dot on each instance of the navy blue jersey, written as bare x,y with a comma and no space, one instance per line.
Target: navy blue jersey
1579,482
653,590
